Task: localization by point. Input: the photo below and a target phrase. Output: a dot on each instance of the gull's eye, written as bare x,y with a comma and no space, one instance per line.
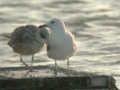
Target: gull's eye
52,22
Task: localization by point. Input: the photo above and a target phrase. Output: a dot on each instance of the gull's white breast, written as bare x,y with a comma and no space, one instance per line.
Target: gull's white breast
61,45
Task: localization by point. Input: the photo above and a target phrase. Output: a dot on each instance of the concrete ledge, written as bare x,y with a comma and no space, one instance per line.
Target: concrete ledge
60,83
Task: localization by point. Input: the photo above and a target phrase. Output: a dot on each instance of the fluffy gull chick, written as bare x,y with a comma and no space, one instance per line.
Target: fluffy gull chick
28,40
61,44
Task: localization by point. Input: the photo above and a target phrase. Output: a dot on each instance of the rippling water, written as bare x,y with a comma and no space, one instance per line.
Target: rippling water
95,24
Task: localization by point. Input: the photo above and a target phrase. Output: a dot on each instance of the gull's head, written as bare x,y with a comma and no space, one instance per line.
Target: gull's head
44,33
55,24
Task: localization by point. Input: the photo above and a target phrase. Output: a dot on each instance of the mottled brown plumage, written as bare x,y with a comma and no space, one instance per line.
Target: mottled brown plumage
24,40
27,40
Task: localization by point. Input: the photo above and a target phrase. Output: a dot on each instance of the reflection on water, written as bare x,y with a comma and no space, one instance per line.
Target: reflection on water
95,24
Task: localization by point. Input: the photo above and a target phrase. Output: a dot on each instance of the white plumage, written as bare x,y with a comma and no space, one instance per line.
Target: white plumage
61,44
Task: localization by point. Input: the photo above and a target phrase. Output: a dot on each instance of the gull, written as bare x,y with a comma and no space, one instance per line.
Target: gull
61,44
28,40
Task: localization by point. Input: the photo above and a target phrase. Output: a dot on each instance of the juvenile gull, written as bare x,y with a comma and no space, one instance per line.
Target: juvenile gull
61,44
28,40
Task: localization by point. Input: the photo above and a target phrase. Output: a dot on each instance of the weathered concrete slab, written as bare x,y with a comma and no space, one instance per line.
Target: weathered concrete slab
59,83
13,78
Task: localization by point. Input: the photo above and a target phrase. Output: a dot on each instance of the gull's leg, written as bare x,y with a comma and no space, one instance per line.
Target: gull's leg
21,60
32,60
55,68
68,68
32,63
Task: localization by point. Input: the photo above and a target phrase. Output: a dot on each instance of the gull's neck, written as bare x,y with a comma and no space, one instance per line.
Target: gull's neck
60,29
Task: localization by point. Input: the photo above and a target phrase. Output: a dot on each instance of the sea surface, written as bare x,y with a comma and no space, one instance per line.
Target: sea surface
95,24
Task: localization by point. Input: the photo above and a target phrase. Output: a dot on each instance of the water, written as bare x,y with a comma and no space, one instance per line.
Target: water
95,24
